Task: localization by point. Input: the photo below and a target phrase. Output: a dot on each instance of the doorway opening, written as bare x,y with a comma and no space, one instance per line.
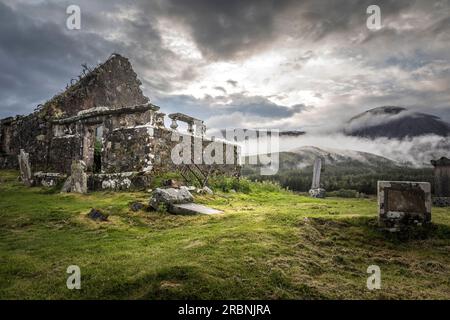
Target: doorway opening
98,145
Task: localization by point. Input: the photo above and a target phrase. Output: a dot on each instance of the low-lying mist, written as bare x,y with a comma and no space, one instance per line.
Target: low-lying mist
416,151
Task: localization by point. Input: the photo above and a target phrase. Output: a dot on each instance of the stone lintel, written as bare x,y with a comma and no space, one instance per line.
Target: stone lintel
184,117
104,111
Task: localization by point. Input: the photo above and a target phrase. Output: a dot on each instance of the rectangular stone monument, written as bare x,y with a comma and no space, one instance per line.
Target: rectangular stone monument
316,173
316,191
441,182
403,203
25,168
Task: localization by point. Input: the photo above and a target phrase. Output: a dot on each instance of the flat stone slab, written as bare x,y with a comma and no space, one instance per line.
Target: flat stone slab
192,208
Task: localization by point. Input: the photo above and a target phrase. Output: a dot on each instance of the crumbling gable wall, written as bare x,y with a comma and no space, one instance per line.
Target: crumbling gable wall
112,84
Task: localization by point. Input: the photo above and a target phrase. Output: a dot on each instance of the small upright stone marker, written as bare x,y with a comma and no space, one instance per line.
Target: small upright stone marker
403,203
316,191
78,177
441,182
25,168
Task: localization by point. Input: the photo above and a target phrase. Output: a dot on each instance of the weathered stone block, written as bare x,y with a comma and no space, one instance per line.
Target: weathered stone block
403,203
97,215
119,181
169,197
317,193
25,168
136,206
48,179
78,177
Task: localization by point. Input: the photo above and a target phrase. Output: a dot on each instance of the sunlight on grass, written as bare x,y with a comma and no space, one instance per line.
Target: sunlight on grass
267,245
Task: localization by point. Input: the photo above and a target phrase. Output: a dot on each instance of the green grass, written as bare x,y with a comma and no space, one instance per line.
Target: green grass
269,244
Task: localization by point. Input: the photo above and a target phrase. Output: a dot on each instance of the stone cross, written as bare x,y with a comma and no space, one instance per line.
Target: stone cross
25,168
316,173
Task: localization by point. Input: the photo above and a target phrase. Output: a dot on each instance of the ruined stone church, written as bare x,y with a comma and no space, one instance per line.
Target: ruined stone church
105,121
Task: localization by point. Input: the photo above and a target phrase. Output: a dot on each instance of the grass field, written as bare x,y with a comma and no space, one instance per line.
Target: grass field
269,244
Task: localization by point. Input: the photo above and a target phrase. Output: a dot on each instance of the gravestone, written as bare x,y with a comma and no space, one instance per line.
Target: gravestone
193,208
316,191
78,178
25,168
402,204
441,182
178,201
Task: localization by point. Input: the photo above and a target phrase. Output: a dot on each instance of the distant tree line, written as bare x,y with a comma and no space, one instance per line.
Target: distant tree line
358,178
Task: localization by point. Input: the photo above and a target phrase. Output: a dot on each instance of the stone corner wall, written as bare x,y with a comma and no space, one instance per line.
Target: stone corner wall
148,149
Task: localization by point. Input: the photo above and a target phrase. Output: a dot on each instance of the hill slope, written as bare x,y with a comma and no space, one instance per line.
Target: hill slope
342,169
305,156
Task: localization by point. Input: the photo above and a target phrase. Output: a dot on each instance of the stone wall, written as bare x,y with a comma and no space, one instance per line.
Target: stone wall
164,145
128,149
105,106
119,181
148,149
63,150
30,133
81,133
8,161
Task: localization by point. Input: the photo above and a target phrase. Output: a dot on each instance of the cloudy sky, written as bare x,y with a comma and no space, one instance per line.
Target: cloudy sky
237,63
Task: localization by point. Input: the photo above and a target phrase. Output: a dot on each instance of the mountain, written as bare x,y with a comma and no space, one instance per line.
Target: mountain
395,123
302,158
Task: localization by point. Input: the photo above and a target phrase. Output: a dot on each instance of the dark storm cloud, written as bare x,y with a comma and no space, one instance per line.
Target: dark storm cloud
225,29
230,29
262,107
317,19
38,58
249,106
39,55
